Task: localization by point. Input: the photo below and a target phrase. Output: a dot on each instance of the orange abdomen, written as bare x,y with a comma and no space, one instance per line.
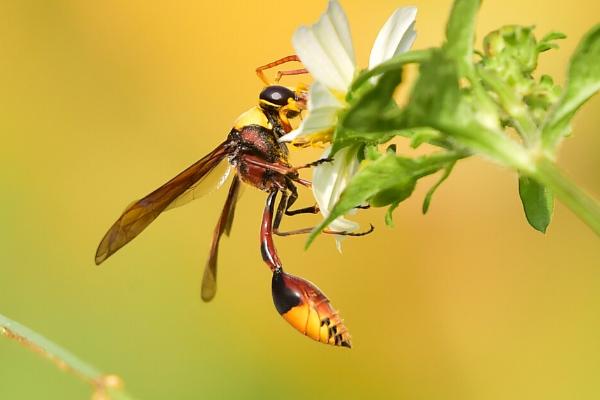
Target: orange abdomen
308,310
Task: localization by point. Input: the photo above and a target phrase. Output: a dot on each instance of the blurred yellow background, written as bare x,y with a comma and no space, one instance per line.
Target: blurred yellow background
101,102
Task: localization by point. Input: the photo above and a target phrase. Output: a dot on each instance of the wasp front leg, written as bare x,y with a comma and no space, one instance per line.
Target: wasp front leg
297,300
260,71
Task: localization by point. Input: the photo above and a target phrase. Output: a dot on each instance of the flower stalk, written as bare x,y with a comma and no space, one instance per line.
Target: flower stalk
106,387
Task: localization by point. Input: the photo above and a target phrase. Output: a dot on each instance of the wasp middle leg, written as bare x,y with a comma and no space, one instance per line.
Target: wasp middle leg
284,208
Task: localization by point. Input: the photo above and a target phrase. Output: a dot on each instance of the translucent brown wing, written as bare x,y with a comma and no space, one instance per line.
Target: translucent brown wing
209,280
211,182
142,212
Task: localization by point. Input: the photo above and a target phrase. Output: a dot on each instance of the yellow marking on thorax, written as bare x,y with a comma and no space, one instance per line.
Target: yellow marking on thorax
254,116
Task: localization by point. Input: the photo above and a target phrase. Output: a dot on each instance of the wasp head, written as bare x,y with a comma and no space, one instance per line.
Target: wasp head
290,103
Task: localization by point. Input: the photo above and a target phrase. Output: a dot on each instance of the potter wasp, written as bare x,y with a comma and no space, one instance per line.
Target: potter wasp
254,155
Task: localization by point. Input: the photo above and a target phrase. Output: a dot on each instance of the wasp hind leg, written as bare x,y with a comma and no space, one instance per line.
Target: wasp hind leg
302,304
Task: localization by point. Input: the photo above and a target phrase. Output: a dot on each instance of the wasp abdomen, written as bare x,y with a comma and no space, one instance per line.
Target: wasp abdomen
308,310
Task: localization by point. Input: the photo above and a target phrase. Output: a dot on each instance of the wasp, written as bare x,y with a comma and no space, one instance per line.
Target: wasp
252,151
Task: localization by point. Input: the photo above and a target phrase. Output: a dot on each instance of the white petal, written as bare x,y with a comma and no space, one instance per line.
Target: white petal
396,36
323,108
330,180
325,49
340,22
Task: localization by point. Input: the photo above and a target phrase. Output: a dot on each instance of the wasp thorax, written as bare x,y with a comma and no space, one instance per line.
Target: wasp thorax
276,95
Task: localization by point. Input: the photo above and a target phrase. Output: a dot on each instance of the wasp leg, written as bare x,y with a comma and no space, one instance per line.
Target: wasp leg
260,70
327,231
283,169
291,72
277,167
283,207
314,209
292,199
315,163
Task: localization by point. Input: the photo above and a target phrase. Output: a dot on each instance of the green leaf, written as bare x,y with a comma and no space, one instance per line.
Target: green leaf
583,81
371,153
386,172
438,103
393,64
546,42
388,180
538,203
424,135
552,36
389,221
367,113
460,32
431,191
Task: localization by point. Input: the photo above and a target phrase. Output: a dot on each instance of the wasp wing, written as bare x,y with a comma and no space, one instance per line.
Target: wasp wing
141,213
211,182
209,280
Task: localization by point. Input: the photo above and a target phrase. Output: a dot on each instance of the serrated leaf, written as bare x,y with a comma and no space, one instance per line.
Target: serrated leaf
583,81
538,203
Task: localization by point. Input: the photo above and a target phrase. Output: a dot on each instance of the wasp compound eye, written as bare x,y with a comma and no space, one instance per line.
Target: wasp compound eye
277,95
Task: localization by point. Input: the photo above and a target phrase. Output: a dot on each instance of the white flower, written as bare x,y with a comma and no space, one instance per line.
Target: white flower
325,49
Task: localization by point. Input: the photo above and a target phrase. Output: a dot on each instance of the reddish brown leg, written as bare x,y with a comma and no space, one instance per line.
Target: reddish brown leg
288,171
267,247
277,167
327,231
291,72
260,70
292,199
284,206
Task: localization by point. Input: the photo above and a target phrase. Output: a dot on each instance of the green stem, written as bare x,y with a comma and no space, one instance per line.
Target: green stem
581,203
62,358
